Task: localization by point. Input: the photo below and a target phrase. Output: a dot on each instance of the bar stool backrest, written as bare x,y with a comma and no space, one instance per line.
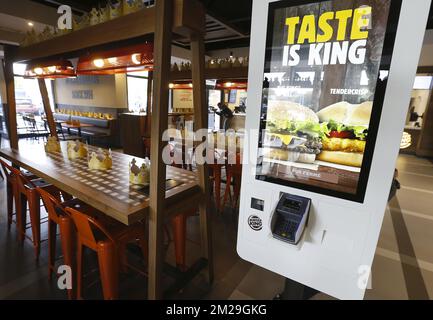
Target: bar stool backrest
8,170
236,168
53,206
22,182
89,230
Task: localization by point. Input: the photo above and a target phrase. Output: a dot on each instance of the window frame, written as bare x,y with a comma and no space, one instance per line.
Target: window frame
131,75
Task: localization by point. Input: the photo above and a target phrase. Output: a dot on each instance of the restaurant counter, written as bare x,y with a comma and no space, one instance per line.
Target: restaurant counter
415,133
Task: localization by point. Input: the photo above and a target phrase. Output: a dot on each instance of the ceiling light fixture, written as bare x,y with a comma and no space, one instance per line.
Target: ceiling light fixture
232,85
99,63
136,58
181,86
121,60
38,71
30,24
50,70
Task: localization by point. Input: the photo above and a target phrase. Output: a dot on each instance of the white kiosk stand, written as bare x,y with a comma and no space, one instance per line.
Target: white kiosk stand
329,86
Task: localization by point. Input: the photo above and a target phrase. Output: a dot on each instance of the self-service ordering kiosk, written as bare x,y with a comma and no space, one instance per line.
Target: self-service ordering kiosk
333,95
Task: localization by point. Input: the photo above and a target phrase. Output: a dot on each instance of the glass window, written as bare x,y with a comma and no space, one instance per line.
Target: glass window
137,91
142,74
27,93
423,82
28,96
420,98
19,69
214,99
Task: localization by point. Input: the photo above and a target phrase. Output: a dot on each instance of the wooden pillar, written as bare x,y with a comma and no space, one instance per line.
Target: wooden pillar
149,104
10,93
201,122
47,107
162,57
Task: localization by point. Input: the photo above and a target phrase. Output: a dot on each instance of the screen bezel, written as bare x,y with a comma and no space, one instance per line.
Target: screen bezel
379,95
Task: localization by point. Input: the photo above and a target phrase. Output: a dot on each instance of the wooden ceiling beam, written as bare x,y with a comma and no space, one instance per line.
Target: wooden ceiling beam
186,21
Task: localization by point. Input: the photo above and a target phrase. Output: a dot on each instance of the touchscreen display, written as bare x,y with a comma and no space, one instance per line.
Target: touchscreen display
324,82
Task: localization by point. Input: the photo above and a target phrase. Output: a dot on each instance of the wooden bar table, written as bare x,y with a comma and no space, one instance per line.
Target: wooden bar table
108,191
165,22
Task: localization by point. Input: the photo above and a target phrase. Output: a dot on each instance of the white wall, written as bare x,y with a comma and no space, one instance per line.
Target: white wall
121,91
109,92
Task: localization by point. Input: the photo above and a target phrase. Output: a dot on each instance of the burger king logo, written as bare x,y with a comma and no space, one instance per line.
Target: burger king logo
255,223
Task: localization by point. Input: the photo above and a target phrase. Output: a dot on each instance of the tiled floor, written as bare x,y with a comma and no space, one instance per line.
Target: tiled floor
403,264
402,269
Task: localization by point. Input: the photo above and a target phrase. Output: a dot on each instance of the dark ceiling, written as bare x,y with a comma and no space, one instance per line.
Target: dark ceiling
236,13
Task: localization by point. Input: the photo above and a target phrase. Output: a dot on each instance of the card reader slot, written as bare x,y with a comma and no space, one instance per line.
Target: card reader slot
289,218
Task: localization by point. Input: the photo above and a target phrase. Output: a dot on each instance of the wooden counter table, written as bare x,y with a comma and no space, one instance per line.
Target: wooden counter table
162,23
108,191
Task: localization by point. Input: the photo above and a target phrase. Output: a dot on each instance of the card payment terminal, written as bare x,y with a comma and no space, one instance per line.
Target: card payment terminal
290,218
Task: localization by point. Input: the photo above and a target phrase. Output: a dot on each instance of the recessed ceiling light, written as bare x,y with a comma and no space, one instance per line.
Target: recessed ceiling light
30,24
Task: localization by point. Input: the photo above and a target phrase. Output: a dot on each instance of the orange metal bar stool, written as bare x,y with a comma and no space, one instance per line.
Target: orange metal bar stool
26,193
234,175
10,189
215,171
58,217
108,238
179,235
178,223
179,227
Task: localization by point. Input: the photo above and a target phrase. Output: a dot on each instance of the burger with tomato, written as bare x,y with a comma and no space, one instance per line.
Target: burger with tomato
345,140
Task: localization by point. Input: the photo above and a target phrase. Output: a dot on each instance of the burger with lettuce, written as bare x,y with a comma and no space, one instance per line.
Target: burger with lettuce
336,134
293,133
347,124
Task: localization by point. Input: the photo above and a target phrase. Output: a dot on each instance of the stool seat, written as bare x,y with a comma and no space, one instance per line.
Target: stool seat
116,228
108,238
39,182
28,175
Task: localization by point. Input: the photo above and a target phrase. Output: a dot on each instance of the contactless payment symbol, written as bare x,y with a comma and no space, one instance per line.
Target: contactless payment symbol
255,223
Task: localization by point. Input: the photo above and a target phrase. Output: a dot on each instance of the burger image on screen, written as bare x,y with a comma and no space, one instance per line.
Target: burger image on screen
344,143
293,133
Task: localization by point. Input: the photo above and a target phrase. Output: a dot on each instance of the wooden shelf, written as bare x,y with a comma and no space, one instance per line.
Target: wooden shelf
219,74
186,20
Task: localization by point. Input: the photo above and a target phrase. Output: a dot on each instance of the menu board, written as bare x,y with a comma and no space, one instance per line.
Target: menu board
183,99
324,83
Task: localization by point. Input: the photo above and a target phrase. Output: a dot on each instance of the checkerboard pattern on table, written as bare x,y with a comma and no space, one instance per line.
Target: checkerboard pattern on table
115,182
